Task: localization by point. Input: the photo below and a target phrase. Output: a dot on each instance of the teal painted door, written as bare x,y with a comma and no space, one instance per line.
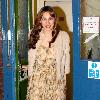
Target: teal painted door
85,84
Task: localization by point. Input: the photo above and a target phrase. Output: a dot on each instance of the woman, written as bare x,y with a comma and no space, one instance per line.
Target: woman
49,58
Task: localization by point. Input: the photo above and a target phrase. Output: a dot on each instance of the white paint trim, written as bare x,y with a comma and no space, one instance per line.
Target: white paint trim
40,3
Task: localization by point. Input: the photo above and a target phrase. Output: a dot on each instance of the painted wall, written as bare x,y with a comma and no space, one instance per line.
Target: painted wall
37,4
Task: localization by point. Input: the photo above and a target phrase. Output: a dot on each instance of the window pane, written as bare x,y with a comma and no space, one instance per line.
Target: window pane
89,29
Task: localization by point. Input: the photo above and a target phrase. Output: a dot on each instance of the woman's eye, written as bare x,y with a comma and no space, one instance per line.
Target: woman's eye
43,19
51,18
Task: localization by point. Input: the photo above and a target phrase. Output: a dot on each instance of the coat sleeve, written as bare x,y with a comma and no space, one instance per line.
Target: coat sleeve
31,60
67,53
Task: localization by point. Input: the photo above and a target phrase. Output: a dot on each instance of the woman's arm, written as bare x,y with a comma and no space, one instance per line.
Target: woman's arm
31,59
67,53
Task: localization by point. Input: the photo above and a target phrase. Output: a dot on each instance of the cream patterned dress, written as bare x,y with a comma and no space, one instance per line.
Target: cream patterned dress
43,83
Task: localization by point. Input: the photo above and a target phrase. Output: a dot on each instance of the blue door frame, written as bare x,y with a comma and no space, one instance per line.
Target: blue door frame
8,63
83,87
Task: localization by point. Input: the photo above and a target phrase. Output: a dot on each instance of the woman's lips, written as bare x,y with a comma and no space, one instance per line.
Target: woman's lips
47,26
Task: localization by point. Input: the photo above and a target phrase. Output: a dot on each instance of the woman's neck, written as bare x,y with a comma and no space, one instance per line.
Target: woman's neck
47,32
46,37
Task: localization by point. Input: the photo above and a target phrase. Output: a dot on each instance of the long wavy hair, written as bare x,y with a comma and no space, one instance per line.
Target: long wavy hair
34,36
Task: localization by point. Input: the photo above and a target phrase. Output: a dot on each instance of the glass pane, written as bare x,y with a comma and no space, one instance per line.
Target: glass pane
89,29
22,45
23,31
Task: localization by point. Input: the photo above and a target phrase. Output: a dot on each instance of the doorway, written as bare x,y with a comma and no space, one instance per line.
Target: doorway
63,9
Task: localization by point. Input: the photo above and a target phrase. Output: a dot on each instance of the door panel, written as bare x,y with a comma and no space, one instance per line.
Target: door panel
84,88
8,49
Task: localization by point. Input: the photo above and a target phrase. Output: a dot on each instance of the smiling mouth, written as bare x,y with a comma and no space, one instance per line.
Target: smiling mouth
47,26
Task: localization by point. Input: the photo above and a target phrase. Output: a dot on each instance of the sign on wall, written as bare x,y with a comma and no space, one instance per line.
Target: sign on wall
90,24
94,70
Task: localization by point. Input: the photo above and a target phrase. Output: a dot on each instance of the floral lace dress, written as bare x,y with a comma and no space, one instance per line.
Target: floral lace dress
43,84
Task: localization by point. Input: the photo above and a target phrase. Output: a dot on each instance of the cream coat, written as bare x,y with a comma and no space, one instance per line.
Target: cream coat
62,54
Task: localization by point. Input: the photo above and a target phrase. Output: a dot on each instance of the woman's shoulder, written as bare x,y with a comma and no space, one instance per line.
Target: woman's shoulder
31,52
64,34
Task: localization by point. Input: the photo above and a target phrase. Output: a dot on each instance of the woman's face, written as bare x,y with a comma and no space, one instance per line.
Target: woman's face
47,21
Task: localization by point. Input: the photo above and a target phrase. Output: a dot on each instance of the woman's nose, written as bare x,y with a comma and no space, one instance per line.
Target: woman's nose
47,21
